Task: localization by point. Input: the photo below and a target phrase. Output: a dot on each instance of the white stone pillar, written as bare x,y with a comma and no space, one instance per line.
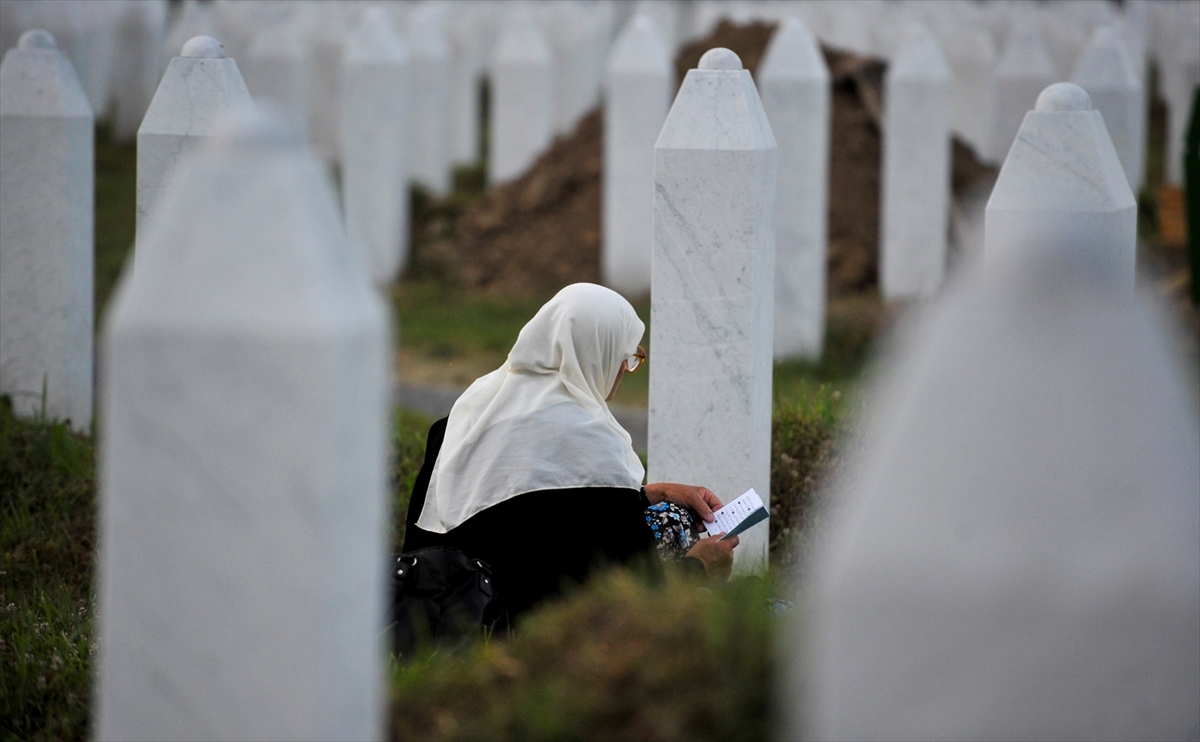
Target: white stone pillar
795,89
429,70
375,110
713,291
665,14
638,94
971,55
1106,72
522,120
199,88
915,187
1062,191
276,70
242,494
1013,551
140,33
1025,70
467,40
46,233
325,29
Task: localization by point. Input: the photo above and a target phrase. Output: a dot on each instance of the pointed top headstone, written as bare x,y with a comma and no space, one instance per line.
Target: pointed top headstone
721,110
1062,191
203,47
45,83
639,48
793,53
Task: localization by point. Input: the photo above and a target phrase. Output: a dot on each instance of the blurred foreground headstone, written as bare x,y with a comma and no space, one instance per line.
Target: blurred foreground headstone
522,97
46,233
243,470
276,70
429,117
1025,70
1107,73
1062,191
916,169
712,301
200,87
796,96
375,110
1015,553
637,95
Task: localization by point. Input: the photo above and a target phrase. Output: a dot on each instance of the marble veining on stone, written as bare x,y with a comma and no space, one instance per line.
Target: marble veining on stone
712,291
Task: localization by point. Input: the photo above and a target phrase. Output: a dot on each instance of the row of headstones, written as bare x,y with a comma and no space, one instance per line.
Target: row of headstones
916,181
451,45
245,394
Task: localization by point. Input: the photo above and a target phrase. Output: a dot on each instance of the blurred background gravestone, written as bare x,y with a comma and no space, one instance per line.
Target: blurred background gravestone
46,233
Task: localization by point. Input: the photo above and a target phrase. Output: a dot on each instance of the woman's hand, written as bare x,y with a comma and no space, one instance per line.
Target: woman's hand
715,555
699,500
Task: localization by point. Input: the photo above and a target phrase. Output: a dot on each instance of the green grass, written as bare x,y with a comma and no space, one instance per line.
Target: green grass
116,212
47,502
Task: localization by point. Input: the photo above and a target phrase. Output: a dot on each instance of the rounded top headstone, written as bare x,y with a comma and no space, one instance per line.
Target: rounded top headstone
720,59
1063,96
203,47
36,38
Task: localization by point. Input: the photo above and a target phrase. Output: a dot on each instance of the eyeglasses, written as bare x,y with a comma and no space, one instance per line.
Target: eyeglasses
635,361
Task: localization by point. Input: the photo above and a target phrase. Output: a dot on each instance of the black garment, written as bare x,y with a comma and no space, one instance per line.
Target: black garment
539,542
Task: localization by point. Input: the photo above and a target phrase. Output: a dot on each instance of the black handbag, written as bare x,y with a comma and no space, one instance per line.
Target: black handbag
439,595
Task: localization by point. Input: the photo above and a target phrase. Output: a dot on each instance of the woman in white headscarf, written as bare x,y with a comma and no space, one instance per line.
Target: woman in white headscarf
532,473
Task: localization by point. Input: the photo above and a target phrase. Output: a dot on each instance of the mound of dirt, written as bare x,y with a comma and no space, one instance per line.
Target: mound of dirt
541,231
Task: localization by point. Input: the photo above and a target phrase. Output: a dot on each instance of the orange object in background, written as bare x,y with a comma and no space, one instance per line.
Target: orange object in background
1172,219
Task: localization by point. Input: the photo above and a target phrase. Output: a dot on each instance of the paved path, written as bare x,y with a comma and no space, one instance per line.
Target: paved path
437,401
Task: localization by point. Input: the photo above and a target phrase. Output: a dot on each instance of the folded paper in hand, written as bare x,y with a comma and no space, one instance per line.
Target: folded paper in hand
737,516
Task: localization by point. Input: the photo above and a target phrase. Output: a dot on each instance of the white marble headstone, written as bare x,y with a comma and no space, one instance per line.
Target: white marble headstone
712,301
1014,551
1107,73
276,71
1025,70
522,97
794,82
429,71
638,91
199,88
376,104
46,233
1062,191
242,493
915,184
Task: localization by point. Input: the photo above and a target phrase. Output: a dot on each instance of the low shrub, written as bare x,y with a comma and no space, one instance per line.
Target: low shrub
624,658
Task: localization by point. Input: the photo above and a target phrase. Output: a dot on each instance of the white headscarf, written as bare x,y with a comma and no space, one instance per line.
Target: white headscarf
540,421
